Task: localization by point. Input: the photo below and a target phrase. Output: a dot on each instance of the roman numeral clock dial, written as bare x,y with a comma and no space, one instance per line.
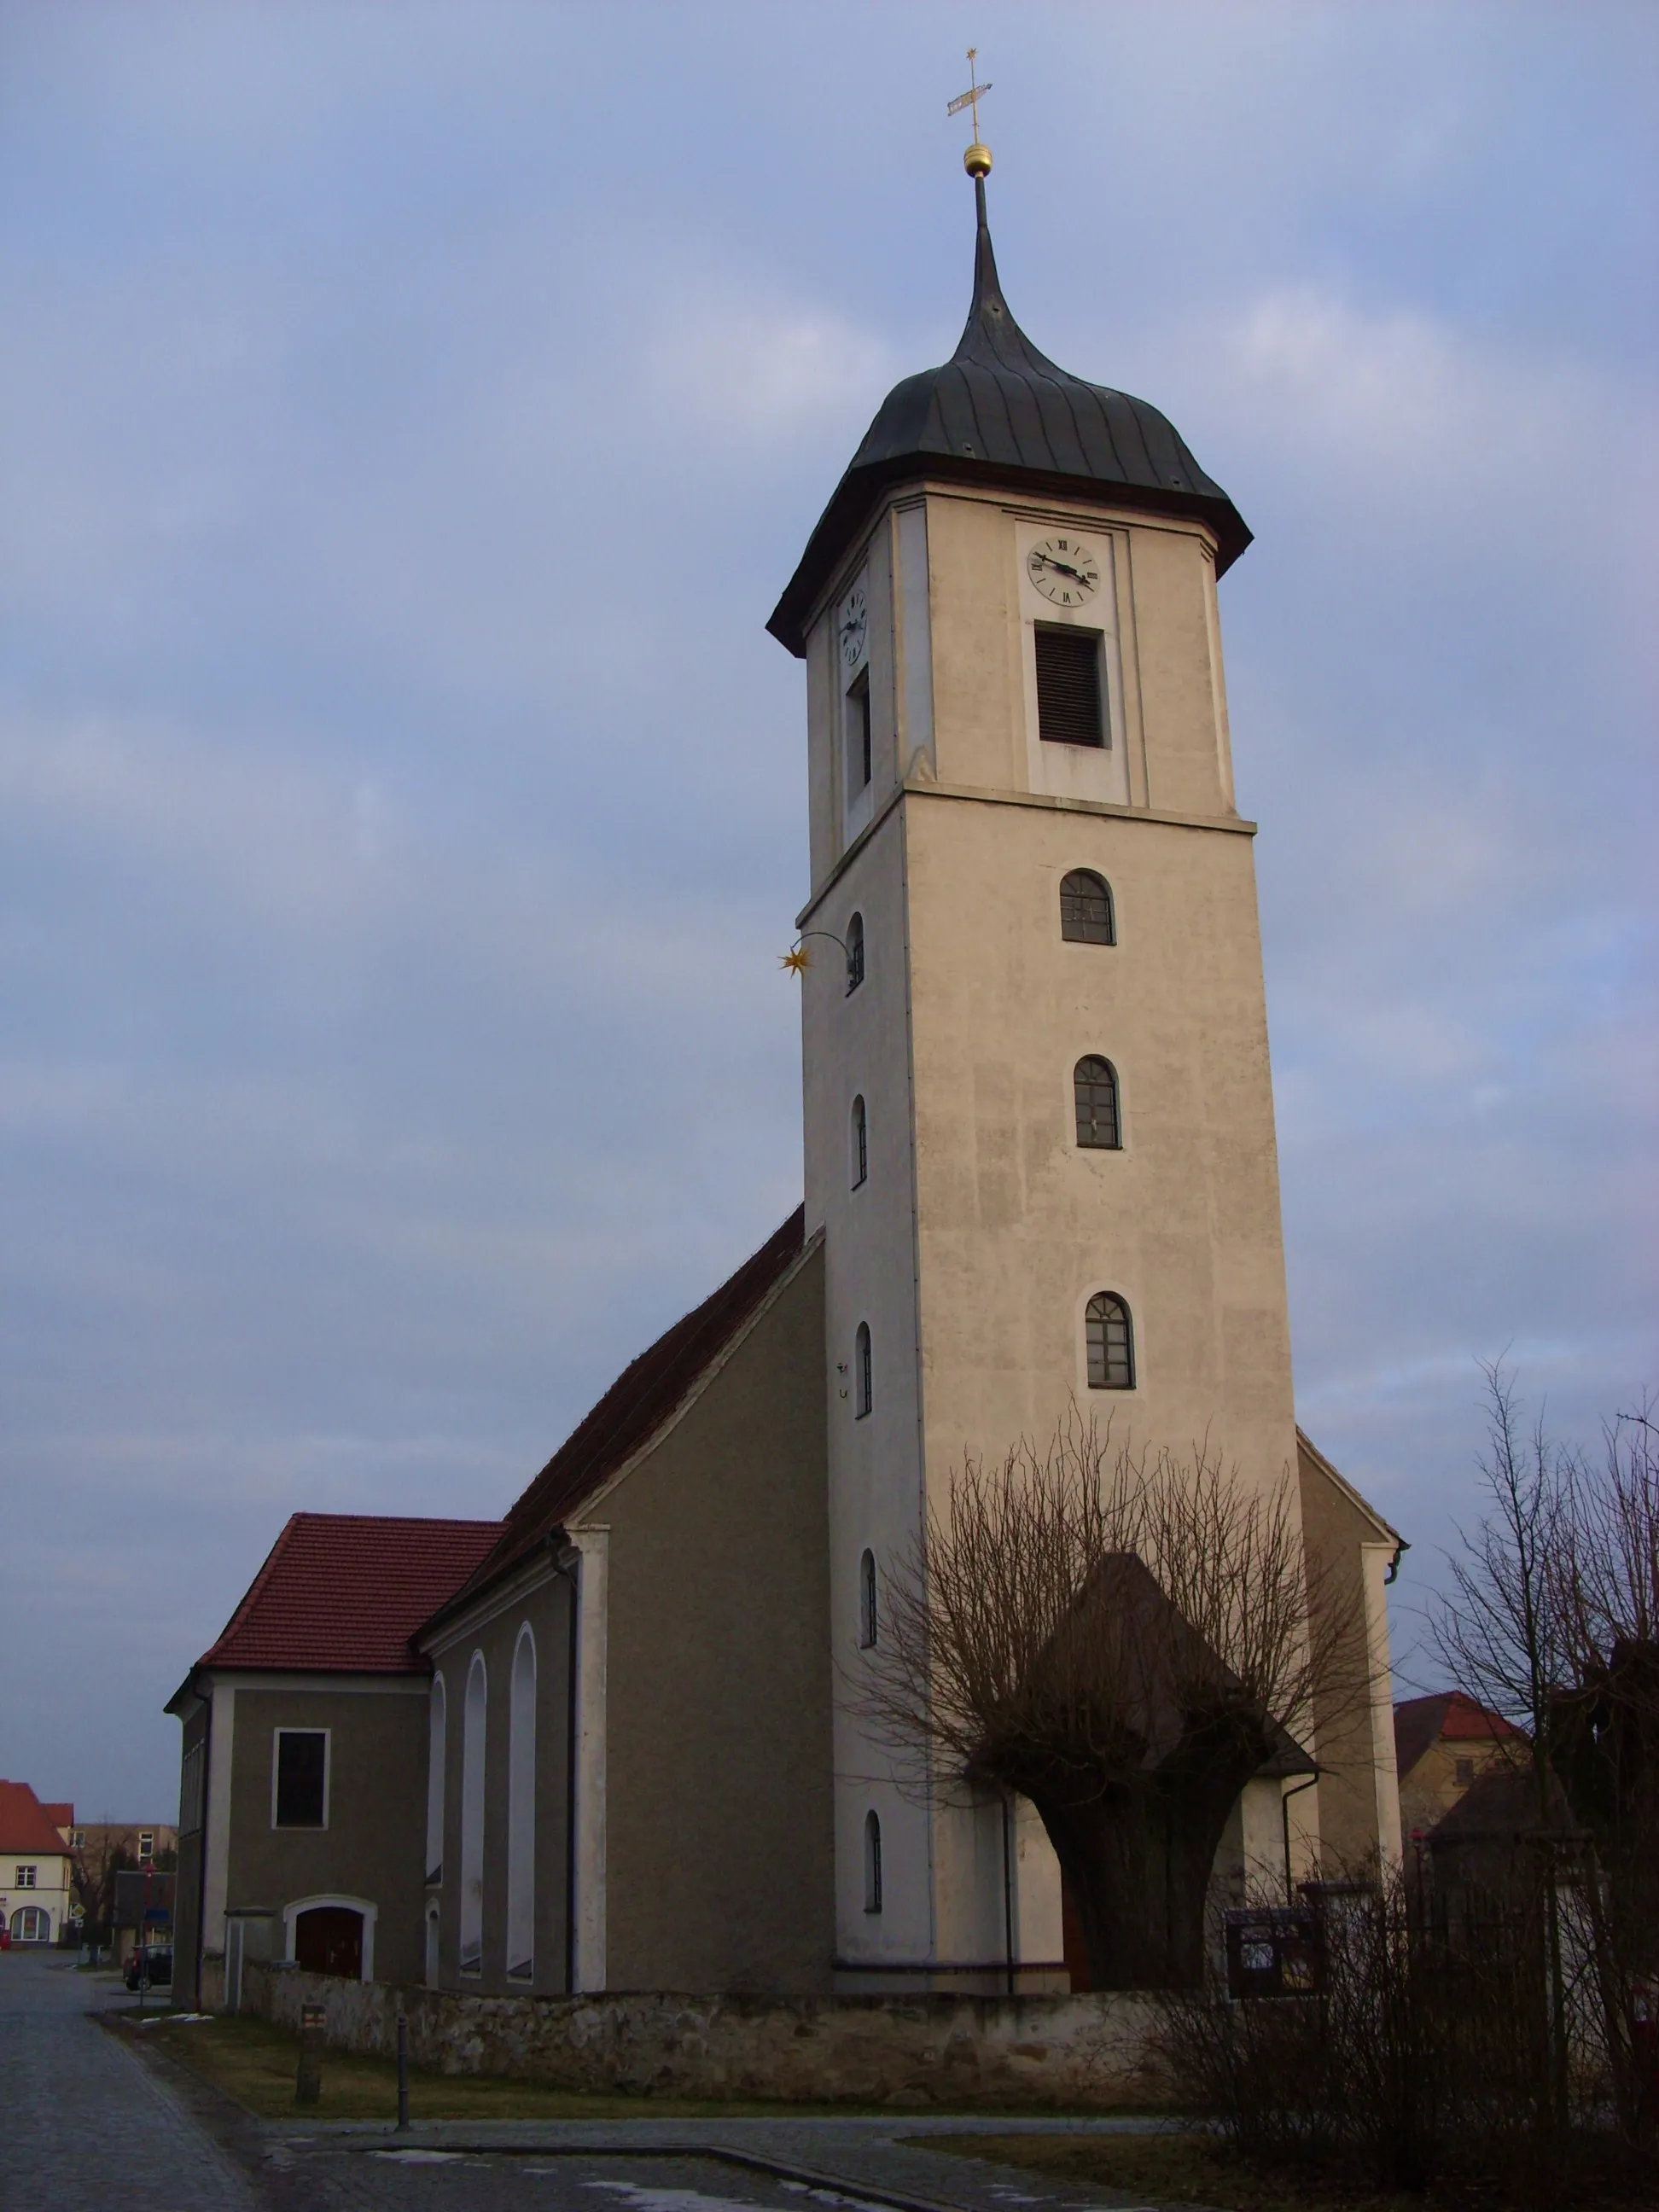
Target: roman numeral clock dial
1065,570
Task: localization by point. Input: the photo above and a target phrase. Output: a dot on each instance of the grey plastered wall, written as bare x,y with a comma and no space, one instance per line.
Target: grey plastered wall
372,1845
1333,1530
187,1890
719,1837
544,1602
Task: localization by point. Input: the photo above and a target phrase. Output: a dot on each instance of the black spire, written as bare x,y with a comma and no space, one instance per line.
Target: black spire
1000,410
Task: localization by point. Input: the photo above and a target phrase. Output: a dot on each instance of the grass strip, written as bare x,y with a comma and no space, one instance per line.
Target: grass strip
1170,2170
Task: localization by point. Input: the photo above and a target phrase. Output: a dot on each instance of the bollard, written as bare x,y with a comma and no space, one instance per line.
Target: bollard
402,2069
308,2087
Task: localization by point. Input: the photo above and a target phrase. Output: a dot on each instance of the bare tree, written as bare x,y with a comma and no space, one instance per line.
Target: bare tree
1553,1621
1124,1638
1605,1735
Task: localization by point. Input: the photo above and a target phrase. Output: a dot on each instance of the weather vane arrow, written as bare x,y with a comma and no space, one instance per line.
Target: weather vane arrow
977,158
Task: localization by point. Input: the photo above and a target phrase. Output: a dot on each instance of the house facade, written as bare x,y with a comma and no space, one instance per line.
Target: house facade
37,1889
1444,1745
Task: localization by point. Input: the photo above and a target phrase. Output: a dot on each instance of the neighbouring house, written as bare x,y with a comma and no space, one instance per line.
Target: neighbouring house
1444,1744
37,1893
304,1758
99,1849
1483,1853
615,1741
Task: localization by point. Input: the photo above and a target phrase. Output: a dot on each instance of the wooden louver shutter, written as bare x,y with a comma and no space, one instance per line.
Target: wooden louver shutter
1068,686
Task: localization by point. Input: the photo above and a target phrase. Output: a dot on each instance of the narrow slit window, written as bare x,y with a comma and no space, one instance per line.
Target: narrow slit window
867,1622
1094,1093
1110,1344
860,1143
1070,709
855,952
859,759
1086,916
862,1370
871,1863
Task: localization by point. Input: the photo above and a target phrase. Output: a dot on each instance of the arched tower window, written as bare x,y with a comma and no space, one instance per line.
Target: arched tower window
1085,908
871,1863
1094,1093
855,952
437,1750
472,1815
867,1623
860,1143
521,1811
1110,1342
863,1393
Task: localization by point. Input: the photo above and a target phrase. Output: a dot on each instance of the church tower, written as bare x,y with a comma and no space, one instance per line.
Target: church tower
1039,1127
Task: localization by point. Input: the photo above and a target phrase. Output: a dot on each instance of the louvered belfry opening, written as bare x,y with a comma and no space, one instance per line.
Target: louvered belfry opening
1068,686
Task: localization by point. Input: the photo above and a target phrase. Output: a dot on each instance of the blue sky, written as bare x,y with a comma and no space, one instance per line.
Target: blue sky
391,891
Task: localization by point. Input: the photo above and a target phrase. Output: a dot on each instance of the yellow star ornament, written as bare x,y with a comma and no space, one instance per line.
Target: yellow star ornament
797,961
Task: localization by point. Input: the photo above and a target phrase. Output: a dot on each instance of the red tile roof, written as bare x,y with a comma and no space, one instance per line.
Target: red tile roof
62,1816
643,1396
1449,1717
344,1593
26,1825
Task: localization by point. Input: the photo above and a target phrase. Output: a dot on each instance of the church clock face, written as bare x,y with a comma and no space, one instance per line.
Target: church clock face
1065,570
854,627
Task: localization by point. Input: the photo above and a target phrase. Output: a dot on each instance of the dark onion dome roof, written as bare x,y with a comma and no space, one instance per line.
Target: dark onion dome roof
999,409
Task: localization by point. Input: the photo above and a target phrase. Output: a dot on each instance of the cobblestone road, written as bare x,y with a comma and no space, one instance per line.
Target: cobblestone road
86,2126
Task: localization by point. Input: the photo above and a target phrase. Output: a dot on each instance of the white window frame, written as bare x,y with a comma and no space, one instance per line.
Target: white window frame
294,1827
520,1965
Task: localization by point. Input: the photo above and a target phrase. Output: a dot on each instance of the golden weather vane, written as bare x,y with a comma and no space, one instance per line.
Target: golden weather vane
977,160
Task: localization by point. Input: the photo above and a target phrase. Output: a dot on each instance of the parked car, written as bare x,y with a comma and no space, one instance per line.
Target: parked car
160,1968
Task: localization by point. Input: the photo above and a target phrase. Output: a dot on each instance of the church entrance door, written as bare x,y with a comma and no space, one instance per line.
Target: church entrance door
329,1940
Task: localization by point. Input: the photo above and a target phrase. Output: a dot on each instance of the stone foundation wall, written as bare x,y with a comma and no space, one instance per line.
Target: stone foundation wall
1078,2053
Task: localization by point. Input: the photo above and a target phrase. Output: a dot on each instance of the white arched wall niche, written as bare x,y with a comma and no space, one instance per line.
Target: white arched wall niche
365,1907
521,1811
472,1815
437,1751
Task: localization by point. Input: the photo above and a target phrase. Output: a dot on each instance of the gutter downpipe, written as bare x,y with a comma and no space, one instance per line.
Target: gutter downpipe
1285,1818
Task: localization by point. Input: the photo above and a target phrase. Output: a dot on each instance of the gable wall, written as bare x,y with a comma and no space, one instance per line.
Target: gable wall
372,1845
718,1845
1359,1792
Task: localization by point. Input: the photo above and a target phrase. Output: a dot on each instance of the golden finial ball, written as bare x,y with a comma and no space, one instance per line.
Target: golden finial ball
977,160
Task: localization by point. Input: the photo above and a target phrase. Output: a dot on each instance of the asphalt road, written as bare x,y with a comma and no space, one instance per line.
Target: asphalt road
88,2123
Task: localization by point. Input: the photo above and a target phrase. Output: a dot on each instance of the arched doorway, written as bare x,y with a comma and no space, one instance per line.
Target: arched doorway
329,1940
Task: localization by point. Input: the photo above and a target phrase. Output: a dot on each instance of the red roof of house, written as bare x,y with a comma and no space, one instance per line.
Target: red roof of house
342,1593
1447,1717
643,1396
62,1816
26,1825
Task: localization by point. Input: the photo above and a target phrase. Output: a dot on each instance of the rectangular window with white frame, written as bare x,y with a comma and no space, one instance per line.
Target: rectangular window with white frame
26,1877
299,1777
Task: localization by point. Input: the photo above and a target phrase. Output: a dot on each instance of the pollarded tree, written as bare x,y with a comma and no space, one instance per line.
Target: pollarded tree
1125,1639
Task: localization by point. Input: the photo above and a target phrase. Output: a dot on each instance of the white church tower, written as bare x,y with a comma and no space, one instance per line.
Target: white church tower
1039,1126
